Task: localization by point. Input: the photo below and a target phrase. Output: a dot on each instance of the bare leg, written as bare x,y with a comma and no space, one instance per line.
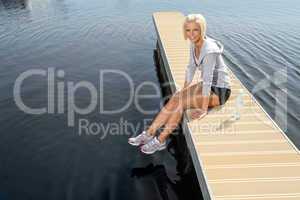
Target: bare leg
162,117
186,101
171,125
169,109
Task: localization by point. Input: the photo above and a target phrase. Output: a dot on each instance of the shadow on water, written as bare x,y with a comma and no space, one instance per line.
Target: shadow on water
187,187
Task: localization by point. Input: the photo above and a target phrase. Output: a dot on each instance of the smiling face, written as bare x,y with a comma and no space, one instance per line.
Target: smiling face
193,31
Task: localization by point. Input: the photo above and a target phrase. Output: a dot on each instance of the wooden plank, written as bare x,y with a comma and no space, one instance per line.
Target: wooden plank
264,188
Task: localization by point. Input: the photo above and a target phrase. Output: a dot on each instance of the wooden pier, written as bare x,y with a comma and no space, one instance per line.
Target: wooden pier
250,158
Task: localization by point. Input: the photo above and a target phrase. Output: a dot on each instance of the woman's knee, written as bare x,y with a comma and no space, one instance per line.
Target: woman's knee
175,101
172,102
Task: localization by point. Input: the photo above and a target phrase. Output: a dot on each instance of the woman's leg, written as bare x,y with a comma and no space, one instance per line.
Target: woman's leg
162,117
171,125
168,110
187,100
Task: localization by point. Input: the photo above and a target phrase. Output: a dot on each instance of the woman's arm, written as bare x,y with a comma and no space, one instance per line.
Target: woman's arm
190,71
209,63
185,84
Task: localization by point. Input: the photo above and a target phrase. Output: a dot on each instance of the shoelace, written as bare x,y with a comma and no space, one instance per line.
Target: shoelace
144,135
152,143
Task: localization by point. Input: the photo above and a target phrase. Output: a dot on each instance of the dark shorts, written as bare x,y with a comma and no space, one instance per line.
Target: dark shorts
222,93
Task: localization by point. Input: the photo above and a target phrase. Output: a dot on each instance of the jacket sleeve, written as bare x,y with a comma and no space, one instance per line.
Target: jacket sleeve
190,69
208,66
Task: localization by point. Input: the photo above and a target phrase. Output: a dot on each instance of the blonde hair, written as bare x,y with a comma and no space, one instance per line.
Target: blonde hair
197,18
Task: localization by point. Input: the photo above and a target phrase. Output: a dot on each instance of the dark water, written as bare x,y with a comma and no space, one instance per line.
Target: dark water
41,157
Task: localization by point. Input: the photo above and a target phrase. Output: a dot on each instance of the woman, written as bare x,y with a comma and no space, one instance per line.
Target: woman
214,90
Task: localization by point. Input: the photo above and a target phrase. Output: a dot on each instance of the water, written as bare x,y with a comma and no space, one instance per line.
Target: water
41,157
262,40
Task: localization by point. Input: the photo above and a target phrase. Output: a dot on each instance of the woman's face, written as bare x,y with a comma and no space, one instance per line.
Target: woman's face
193,31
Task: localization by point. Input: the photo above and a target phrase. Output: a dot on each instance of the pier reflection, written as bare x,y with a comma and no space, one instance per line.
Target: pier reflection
186,187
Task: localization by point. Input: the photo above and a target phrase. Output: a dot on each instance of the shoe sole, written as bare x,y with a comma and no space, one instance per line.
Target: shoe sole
136,144
133,144
152,152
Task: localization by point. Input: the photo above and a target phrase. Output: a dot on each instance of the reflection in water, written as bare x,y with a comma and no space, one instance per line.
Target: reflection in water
187,187
14,4
158,173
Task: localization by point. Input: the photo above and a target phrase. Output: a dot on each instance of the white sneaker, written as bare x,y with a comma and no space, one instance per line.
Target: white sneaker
153,146
141,139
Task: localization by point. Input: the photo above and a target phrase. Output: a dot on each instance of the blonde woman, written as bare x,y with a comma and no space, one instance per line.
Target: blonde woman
214,90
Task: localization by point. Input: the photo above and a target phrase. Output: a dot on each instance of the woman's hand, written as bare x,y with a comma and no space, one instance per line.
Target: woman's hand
198,114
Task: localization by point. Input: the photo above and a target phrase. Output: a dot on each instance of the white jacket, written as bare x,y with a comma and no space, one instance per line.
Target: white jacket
213,69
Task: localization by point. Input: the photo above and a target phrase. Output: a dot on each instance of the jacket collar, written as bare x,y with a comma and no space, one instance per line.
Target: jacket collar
209,46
